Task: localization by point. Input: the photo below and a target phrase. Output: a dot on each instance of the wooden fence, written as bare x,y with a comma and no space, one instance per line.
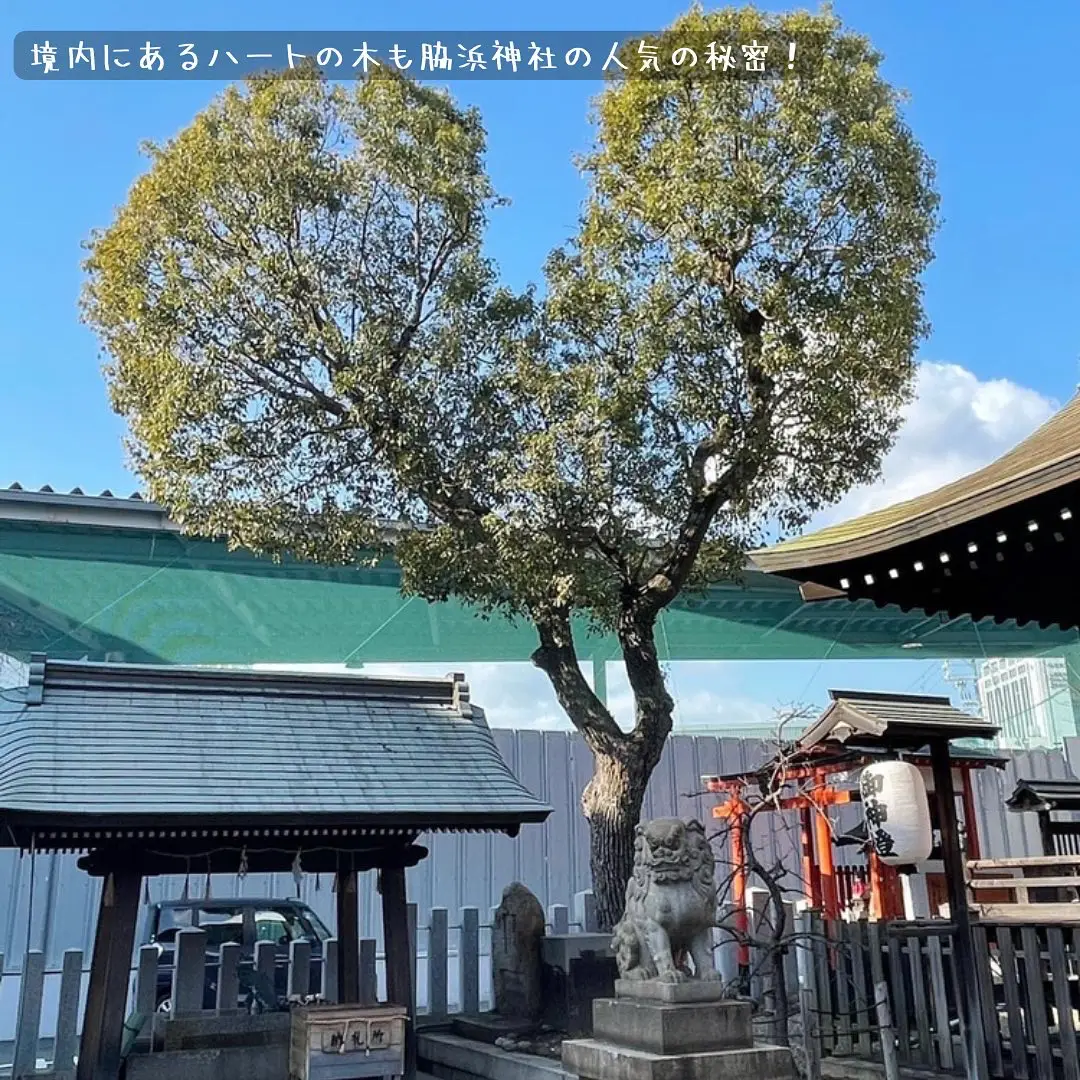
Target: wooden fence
1028,990
228,971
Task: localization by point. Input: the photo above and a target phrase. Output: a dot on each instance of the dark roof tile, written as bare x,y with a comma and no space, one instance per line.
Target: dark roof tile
129,740
858,717
1045,795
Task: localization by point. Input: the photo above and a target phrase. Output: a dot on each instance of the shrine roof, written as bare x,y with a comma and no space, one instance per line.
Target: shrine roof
1045,795
124,743
866,719
1047,459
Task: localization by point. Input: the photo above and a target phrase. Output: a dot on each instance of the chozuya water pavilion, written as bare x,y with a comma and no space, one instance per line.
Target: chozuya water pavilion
147,770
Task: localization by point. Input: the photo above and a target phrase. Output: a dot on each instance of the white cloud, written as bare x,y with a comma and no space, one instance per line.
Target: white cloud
956,424
520,696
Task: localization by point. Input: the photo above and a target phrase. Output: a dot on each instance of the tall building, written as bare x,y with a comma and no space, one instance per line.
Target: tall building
1029,700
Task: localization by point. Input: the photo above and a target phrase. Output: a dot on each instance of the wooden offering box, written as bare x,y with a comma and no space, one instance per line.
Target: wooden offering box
347,1042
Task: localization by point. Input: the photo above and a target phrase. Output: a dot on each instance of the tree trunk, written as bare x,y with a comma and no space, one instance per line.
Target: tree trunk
624,761
612,805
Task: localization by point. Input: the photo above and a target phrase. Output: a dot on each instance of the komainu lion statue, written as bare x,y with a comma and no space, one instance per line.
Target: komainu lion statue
670,905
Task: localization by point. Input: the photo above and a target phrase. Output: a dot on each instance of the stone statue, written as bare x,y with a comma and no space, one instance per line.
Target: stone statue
516,936
670,905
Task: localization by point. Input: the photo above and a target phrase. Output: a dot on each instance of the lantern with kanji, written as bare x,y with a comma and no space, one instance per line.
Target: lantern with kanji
897,812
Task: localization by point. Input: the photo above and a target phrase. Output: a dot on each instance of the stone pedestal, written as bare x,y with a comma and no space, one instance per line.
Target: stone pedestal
673,1031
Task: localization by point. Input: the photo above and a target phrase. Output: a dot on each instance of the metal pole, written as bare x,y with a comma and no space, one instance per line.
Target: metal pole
599,675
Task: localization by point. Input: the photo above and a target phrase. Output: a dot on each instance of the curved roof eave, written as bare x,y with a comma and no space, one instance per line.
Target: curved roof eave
1046,460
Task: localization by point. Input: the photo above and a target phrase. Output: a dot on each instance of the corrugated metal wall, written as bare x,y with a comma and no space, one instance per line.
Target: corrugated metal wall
472,870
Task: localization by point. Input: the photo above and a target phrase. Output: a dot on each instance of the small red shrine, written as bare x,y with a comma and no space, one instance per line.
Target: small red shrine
818,772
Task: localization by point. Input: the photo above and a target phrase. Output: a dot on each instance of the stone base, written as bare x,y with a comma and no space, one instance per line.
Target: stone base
489,1026
660,1028
227,1063
208,1031
596,1060
673,993
559,949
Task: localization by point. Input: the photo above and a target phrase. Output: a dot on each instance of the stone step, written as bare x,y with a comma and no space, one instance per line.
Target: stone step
451,1057
597,1060
229,1063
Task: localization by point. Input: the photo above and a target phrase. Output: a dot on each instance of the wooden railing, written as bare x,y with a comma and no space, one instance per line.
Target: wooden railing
1039,889
1028,994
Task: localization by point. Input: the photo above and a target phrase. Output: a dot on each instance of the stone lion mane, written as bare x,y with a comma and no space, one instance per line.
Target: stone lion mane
670,904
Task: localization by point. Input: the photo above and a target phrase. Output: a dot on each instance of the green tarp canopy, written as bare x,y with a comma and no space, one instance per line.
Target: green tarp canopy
106,577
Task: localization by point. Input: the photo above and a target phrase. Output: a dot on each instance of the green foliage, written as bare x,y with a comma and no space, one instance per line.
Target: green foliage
308,342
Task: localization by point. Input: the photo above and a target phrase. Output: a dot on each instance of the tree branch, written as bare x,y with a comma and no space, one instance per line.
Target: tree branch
710,496
557,658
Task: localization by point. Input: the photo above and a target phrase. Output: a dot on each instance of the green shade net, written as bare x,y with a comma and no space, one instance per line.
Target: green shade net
157,597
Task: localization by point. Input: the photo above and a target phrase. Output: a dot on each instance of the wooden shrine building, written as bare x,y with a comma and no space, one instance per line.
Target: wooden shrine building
816,775
998,544
161,770
1045,799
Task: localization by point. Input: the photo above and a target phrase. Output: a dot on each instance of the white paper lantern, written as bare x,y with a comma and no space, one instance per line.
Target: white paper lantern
897,812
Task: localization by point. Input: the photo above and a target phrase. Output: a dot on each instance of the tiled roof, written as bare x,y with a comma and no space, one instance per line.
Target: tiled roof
77,492
76,507
1045,795
140,742
1046,460
104,509
905,708
857,717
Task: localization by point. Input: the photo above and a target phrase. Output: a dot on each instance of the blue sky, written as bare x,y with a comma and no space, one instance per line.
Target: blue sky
993,100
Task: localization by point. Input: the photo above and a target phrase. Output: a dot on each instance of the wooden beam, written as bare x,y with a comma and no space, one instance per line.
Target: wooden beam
811,884
971,1022
971,825
399,988
812,593
170,857
826,797
1024,862
830,900
1025,883
1026,914
738,890
1046,832
348,936
110,967
1065,828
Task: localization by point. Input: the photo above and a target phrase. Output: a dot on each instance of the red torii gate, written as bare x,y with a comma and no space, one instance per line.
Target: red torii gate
816,840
